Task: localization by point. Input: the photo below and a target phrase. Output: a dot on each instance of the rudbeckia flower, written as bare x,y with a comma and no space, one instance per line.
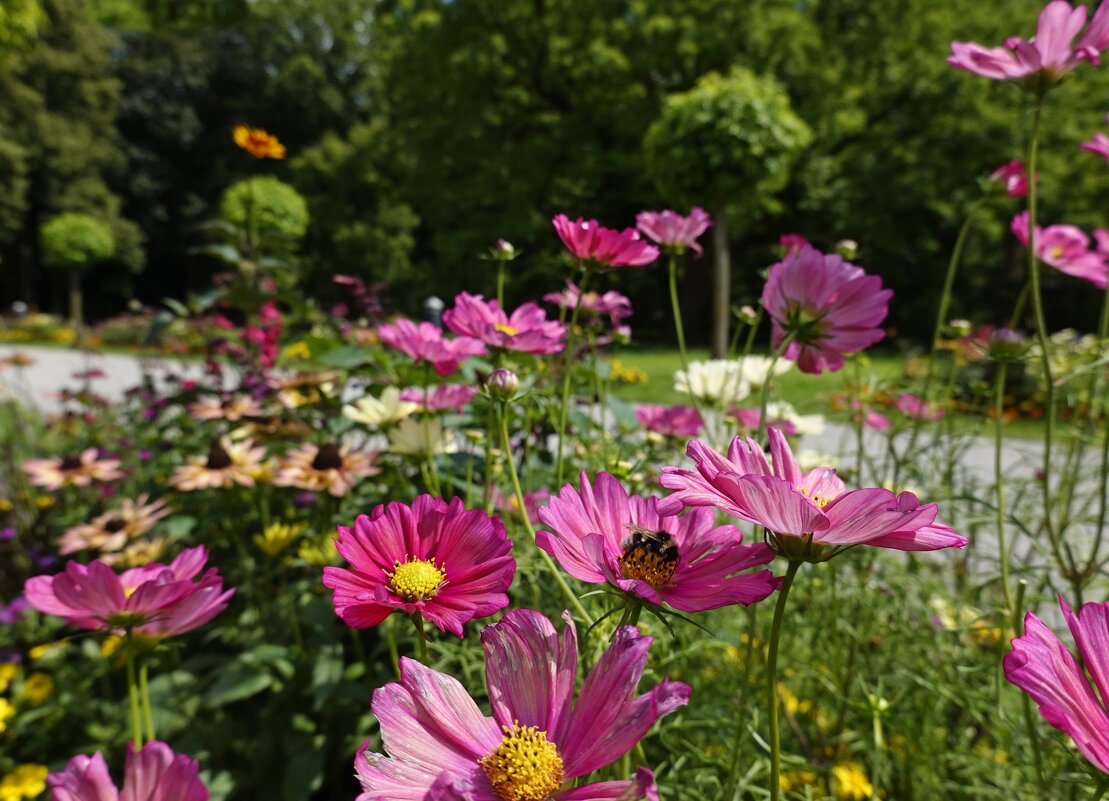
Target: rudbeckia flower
440,746
599,247
73,470
828,306
156,600
1046,669
439,559
227,464
258,143
330,468
526,330
114,529
600,535
154,773
810,516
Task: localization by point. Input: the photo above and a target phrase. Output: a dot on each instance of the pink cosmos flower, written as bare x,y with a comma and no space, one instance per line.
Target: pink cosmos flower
601,247
1012,176
599,534
156,600
1048,54
830,306
1099,145
748,420
526,330
533,502
1066,248
1046,669
917,408
616,306
440,746
792,242
442,560
871,418
809,516
423,342
673,231
154,773
441,398
673,421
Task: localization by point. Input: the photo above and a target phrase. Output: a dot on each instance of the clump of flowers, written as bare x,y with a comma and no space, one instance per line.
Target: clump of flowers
1067,249
152,773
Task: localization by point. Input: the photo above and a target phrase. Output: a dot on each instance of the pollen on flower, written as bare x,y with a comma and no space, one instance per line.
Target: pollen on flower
649,556
506,329
417,580
525,766
817,498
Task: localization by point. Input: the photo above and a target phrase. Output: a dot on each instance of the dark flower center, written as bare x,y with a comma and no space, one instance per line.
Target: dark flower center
114,525
328,457
650,556
71,462
218,458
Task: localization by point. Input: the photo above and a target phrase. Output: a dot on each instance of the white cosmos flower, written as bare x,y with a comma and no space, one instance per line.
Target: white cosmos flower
380,412
802,423
755,369
810,460
412,436
713,381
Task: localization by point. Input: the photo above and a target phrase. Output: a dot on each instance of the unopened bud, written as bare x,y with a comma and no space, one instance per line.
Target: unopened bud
1006,345
848,248
502,384
503,250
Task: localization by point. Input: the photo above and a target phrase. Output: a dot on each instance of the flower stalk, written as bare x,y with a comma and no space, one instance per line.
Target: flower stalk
772,680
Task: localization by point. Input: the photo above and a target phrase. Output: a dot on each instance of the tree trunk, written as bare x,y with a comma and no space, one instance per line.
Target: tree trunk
76,310
721,285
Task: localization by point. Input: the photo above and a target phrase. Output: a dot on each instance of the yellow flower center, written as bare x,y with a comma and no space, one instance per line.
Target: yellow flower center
417,580
506,329
1056,252
525,766
818,499
649,556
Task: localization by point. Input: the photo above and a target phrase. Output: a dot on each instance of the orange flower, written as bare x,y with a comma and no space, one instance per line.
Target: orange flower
258,143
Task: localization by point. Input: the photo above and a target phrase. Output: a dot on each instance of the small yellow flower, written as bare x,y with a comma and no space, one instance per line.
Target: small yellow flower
318,552
625,375
44,501
849,781
792,704
47,650
8,671
797,779
6,505
279,536
258,143
37,687
26,781
7,712
298,350
110,645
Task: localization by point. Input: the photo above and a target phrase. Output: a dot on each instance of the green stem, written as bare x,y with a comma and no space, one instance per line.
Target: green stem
133,695
147,709
506,445
1097,413
769,376
391,642
500,283
421,638
1101,789
772,679
999,483
679,330
564,412
433,472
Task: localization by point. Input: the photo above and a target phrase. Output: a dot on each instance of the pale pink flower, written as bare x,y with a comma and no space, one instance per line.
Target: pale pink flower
600,535
526,330
748,418
871,418
1012,176
438,559
611,303
1049,53
330,468
230,407
1066,248
600,247
1099,145
673,421
423,342
72,470
1046,669
917,408
114,529
440,398
155,600
830,306
153,773
227,464
672,231
811,516
440,746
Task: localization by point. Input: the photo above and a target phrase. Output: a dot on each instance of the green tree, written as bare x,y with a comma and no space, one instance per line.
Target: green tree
74,243
264,204
729,144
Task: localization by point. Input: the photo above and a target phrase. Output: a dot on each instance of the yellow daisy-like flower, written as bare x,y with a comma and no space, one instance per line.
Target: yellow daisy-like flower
7,712
849,780
258,143
110,645
26,781
37,687
279,536
797,779
8,671
47,650
319,552
6,505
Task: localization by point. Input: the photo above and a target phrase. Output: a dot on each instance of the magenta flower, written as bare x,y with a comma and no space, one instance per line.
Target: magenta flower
673,421
1099,145
440,746
829,306
154,773
917,408
616,306
423,342
1012,176
673,231
442,560
809,516
441,398
1046,669
871,418
600,535
748,419
526,330
1066,248
1048,54
599,247
791,242
155,600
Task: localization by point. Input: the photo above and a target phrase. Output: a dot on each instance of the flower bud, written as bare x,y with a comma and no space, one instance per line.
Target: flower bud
502,384
960,328
1006,345
848,248
748,315
503,250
